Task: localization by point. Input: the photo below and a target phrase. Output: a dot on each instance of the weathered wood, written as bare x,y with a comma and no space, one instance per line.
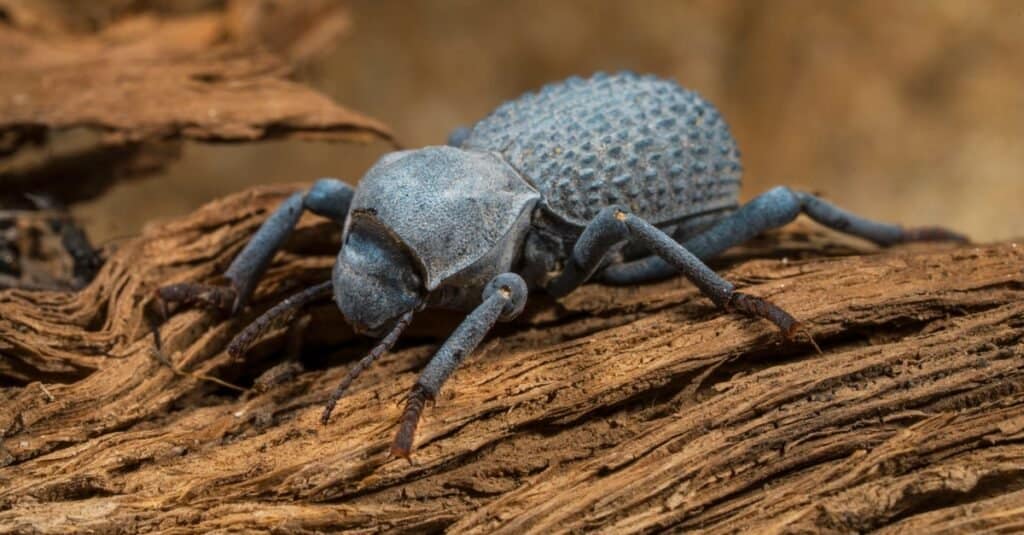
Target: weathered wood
118,102
202,77
625,409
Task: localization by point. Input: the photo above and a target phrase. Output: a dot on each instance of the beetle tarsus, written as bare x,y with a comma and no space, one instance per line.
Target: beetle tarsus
928,234
410,419
762,308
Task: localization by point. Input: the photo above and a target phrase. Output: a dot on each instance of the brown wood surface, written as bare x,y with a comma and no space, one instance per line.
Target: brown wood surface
615,409
206,76
82,110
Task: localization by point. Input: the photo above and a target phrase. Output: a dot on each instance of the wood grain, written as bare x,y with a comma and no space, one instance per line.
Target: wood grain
615,409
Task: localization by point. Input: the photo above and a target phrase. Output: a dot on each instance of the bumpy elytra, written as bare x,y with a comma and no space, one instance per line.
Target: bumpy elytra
622,178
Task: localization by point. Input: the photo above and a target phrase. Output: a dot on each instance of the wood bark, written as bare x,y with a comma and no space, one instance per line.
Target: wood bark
624,410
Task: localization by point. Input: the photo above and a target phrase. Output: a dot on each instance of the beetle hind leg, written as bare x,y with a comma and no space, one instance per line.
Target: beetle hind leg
773,209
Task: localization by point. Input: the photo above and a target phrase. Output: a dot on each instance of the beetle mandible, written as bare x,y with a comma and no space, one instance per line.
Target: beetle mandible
621,177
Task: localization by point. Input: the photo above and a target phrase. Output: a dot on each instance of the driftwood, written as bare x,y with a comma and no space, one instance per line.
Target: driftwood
206,76
624,409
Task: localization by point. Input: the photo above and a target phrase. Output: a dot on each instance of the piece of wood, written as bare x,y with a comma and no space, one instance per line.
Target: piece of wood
81,111
620,409
151,79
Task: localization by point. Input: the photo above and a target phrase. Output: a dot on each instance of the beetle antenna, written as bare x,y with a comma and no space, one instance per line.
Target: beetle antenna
383,346
240,344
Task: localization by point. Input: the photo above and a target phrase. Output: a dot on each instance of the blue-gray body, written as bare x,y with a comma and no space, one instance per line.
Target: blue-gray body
577,180
640,142
524,182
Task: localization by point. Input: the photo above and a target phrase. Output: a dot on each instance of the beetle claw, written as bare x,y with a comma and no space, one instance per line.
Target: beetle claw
800,329
402,445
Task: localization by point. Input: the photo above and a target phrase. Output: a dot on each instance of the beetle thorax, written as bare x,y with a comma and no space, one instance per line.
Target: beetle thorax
459,215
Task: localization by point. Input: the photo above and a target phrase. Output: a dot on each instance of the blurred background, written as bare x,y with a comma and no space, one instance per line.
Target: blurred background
909,111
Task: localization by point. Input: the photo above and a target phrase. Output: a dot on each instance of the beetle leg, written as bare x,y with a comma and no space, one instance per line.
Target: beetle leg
613,224
503,299
383,346
589,251
770,210
220,298
459,136
241,342
719,290
328,197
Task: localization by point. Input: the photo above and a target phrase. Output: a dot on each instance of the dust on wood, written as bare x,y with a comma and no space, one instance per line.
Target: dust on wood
621,409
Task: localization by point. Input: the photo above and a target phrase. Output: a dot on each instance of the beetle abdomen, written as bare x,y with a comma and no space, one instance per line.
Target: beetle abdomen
637,141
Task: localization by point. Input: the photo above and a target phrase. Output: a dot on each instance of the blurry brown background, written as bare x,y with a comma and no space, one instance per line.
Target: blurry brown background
907,111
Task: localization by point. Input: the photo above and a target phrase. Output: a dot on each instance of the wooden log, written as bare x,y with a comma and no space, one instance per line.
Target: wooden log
615,409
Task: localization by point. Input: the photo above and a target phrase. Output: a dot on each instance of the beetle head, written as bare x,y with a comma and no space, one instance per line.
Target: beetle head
375,281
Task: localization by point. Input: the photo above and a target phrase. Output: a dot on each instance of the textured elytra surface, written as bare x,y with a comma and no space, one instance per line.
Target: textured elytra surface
638,141
626,410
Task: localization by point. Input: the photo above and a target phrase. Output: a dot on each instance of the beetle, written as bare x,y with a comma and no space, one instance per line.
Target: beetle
621,178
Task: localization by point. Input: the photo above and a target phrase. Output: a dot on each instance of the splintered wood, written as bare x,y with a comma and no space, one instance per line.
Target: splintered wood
615,409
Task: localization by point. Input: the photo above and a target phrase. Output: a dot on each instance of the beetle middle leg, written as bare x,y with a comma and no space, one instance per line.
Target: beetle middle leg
770,210
614,225
328,197
503,299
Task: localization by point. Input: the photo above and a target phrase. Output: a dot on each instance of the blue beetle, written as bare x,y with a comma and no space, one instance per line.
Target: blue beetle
623,178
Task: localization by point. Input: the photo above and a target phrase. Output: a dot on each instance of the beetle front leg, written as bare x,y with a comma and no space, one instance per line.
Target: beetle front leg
328,197
503,299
